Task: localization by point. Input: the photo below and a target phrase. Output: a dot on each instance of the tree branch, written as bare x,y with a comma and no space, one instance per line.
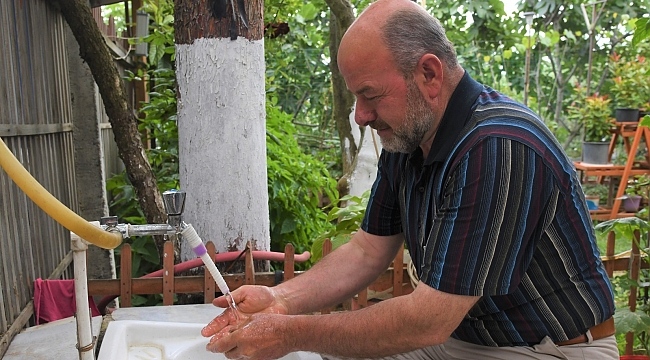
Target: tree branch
94,51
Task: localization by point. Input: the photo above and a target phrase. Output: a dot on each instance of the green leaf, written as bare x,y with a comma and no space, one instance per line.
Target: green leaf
641,31
645,121
337,241
569,34
308,11
288,225
634,321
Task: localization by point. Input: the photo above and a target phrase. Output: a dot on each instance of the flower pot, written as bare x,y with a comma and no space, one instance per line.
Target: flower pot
627,115
635,357
592,201
595,152
631,203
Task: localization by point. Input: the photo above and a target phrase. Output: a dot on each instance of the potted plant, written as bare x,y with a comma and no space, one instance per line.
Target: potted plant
595,114
635,192
594,192
629,86
630,316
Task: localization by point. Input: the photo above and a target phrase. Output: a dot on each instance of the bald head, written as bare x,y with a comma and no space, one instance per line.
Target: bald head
403,28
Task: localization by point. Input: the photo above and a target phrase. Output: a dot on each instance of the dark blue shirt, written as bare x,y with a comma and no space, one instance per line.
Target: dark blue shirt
496,210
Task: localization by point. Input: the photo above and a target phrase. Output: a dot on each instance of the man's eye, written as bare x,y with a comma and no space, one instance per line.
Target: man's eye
371,98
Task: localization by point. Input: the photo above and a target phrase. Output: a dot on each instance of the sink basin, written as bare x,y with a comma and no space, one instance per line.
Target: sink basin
153,340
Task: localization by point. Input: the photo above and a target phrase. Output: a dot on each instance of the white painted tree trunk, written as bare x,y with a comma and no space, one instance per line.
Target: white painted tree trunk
222,141
365,169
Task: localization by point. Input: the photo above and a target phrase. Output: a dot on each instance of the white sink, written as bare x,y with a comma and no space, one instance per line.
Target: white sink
153,340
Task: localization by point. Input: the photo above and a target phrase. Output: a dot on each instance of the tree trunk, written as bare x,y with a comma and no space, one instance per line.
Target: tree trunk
222,121
341,17
93,50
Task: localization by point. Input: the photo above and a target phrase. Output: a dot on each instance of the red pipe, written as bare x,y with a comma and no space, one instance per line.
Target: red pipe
222,257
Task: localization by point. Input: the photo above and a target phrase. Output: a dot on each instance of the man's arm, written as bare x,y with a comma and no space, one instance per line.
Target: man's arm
339,275
423,318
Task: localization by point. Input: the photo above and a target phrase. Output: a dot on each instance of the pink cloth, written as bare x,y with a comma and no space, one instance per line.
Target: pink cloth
54,300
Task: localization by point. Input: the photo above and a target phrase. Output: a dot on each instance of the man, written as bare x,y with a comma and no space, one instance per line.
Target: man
488,203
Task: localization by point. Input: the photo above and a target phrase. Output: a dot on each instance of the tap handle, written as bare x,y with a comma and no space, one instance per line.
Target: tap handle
108,221
174,201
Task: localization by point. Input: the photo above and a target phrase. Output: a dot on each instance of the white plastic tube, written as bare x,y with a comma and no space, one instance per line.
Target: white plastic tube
85,341
197,245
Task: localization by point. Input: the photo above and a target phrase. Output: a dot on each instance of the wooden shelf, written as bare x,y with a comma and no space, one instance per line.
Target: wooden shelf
632,167
603,214
609,170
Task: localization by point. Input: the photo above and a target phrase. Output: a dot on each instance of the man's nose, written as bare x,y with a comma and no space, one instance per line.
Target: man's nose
363,114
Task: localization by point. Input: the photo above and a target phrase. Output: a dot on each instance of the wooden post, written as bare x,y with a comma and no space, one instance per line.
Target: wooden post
249,265
635,263
641,132
362,299
609,265
125,276
209,286
168,274
289,262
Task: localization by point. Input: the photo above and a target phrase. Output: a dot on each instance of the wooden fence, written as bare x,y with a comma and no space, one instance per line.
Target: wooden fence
168,282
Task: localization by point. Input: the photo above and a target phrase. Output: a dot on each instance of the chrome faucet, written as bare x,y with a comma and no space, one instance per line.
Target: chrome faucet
174,202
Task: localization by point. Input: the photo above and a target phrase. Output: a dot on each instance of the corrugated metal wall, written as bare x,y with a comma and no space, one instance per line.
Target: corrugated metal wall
36,124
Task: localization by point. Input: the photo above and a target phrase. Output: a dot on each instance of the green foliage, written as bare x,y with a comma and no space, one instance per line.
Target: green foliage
637,321
641,31
162,51
624,227
297,183
347,219
595,113
630,81
158,124
125,206
596,189
298,75
116,13
638,185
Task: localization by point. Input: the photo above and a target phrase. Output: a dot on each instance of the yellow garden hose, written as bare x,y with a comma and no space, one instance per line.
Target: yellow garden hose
52,206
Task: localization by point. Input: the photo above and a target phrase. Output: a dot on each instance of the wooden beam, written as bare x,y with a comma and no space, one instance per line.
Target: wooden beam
16,327
98,3
8,130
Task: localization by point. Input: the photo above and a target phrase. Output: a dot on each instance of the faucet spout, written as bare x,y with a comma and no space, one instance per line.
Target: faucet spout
174,201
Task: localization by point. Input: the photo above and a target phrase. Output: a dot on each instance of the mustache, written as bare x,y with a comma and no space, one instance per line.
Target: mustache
378,125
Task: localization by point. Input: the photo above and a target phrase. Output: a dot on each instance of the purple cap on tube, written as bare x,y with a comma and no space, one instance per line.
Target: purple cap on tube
200,250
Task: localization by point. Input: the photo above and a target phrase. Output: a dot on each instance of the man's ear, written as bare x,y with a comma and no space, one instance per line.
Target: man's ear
429,76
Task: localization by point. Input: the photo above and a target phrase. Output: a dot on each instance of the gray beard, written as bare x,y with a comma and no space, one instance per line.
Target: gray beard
417,122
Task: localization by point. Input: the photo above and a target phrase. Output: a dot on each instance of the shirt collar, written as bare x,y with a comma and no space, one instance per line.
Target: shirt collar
458,112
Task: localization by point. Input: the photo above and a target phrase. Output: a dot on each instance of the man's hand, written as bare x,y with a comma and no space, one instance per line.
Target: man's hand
260,336
250,300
